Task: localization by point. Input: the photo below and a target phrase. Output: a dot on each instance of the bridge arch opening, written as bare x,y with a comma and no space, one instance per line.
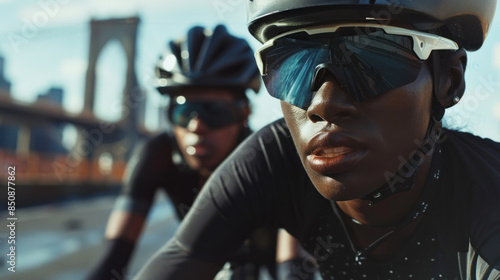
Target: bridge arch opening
111,73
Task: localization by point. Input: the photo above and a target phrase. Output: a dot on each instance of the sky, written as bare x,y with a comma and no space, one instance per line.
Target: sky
45,44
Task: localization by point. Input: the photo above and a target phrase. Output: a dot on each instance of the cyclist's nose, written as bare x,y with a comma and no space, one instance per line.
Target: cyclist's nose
196,125
330,102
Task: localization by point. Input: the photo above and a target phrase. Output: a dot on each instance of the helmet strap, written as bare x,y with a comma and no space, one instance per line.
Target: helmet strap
437,108
406,176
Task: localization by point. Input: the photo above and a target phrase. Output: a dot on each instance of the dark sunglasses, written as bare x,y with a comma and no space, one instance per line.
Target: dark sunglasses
214,114
366,59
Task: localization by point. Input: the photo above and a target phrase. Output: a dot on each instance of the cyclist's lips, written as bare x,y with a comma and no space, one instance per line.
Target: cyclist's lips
197,145
331,153
199,150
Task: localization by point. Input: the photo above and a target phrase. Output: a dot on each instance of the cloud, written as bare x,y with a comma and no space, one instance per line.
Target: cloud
73,67
52,13
113,8
496,111
62,12
496,56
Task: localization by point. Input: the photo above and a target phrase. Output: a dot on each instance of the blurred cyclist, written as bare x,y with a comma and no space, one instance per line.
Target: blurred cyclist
206,74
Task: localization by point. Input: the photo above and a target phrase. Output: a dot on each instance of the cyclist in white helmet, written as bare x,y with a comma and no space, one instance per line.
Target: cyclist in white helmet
360,170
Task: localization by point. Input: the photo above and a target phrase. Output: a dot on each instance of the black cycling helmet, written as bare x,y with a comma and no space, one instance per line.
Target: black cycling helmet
207,58
464,21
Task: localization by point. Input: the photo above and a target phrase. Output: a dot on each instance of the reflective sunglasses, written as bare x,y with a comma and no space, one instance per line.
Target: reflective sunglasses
365,59
214,114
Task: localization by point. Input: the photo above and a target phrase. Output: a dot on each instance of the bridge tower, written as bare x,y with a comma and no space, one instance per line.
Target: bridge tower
131,124
124,30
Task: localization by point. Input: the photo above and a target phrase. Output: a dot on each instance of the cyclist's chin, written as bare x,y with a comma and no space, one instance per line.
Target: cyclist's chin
202,163
342,187
335,190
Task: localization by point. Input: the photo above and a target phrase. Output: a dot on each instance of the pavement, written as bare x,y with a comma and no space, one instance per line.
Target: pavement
63,241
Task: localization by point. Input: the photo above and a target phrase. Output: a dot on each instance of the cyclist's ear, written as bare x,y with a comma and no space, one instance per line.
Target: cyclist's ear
451,78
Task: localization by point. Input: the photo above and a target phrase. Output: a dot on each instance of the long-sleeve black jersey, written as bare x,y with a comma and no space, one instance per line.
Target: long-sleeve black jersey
263,183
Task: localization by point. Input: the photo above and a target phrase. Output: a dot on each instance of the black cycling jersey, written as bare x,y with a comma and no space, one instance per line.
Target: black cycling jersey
154,167
264,183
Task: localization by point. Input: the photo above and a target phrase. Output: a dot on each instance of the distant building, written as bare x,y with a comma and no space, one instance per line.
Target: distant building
8,139
54,95
4,84
48,138
8,132
45,138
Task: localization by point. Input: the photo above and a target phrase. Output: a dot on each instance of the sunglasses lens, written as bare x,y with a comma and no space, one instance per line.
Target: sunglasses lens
290,72
213,114
366,65
218,115
182,114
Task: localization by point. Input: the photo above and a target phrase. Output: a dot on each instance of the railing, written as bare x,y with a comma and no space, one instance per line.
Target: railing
47,177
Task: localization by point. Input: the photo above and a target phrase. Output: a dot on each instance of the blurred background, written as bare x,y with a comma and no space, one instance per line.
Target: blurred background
76,95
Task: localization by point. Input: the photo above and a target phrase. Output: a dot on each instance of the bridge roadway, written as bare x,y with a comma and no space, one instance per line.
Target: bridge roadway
22,112
18,112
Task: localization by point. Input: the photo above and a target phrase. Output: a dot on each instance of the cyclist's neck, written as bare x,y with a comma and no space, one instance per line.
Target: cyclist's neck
390,210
